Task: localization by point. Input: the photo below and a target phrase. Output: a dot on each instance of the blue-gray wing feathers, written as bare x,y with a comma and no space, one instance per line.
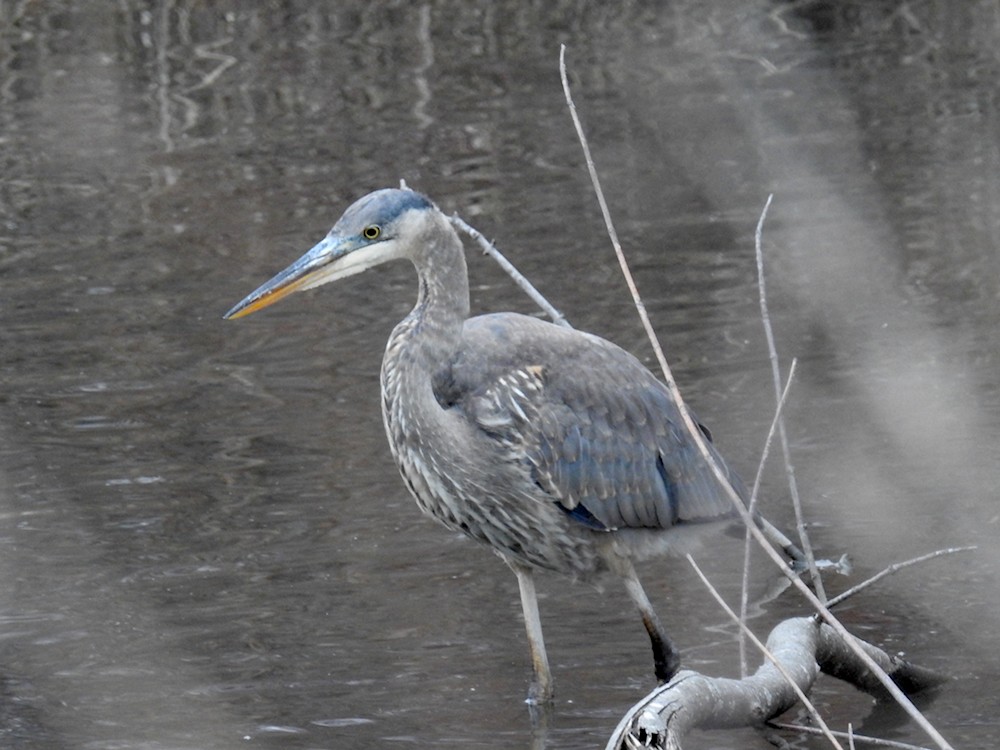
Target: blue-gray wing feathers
600,434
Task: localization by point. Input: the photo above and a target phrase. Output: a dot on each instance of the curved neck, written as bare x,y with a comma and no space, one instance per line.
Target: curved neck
429,335
442,302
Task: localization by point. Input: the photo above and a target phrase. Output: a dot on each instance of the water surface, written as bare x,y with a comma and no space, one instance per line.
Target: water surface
204,543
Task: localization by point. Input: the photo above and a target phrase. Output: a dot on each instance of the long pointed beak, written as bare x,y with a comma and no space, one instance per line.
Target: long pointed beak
316,267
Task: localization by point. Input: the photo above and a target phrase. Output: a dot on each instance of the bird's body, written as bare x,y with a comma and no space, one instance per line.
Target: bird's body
555,447
510,449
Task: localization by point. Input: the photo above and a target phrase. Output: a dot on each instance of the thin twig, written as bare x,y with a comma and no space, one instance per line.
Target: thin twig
745,588
892,569
905,703
776,374
764,650
640,306
856,737
526,286
613,234
775,421
519,278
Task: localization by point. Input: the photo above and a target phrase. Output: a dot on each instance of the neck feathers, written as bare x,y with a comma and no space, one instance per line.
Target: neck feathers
428,337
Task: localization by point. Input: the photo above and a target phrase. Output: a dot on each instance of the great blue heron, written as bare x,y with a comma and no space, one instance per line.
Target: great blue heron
555,447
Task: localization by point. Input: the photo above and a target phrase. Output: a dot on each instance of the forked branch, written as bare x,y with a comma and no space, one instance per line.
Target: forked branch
803,647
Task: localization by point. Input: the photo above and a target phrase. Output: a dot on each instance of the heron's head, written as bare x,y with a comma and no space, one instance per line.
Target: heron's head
383,225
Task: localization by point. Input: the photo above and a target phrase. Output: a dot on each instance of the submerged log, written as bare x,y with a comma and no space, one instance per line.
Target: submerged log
803,646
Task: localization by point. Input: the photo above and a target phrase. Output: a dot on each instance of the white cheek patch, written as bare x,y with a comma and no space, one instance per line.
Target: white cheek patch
351,264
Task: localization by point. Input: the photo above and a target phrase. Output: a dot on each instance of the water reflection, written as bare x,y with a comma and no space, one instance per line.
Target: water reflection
201,536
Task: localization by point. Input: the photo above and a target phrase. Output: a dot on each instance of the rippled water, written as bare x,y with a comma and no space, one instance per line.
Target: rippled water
204,544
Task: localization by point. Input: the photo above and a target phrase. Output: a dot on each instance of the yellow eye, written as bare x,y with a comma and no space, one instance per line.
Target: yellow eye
372,232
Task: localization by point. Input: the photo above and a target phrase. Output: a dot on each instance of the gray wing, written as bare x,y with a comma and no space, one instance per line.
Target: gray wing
601,435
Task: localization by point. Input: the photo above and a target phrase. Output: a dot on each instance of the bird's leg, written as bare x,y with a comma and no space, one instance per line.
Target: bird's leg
541,689
666,657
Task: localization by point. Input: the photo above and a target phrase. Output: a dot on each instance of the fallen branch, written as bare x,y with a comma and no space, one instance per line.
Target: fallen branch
804,647
740,620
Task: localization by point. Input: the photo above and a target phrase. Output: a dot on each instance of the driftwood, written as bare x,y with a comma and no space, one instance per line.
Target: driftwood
803,646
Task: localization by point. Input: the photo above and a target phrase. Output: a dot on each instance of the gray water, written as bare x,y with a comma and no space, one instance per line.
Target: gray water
203,541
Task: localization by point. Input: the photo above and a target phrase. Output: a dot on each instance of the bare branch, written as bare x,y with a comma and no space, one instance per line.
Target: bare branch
520,279
620,255
892,569
776,374
853,736
745,588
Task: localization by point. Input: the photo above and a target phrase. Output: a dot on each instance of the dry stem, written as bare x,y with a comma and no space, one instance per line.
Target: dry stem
776,375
